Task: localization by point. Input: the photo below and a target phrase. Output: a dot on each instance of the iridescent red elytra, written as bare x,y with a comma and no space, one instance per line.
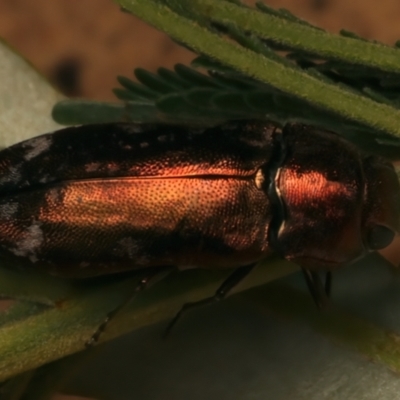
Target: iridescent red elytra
100,199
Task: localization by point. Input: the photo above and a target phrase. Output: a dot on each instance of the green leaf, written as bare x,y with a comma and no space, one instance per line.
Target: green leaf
76,112
318,93
140,90
55,332
153,81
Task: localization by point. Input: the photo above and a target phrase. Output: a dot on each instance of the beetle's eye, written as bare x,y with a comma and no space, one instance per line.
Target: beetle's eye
379,237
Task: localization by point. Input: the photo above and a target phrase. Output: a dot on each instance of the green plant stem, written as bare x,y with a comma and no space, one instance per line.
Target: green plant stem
296,35
289,80
65,329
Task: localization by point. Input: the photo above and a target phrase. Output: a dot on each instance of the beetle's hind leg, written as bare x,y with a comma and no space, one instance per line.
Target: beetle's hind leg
143,284
223,291
320,291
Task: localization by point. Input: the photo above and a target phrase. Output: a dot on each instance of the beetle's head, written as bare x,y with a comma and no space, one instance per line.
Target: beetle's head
381,206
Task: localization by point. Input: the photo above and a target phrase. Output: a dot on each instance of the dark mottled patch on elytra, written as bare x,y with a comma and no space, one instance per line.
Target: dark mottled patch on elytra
119,150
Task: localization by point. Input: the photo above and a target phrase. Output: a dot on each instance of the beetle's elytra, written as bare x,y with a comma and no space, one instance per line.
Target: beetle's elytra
100,199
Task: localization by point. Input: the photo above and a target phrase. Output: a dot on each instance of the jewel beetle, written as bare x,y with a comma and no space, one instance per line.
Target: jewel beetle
101,199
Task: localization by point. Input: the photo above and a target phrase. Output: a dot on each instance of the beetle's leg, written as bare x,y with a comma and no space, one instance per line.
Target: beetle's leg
319,291
143,284
223,291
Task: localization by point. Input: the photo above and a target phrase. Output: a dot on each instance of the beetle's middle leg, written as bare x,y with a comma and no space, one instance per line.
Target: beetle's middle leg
143,284
223,291
320,291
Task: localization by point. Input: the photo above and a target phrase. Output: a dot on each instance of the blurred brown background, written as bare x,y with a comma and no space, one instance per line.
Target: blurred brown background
82,45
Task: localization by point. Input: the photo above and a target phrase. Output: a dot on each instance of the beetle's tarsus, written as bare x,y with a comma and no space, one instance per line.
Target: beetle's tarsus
222,292
320,291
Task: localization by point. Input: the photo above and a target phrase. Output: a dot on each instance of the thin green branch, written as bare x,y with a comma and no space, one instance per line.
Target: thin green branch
293,81
296,35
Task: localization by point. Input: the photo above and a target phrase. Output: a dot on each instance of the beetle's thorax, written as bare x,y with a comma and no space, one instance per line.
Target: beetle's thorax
318,194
